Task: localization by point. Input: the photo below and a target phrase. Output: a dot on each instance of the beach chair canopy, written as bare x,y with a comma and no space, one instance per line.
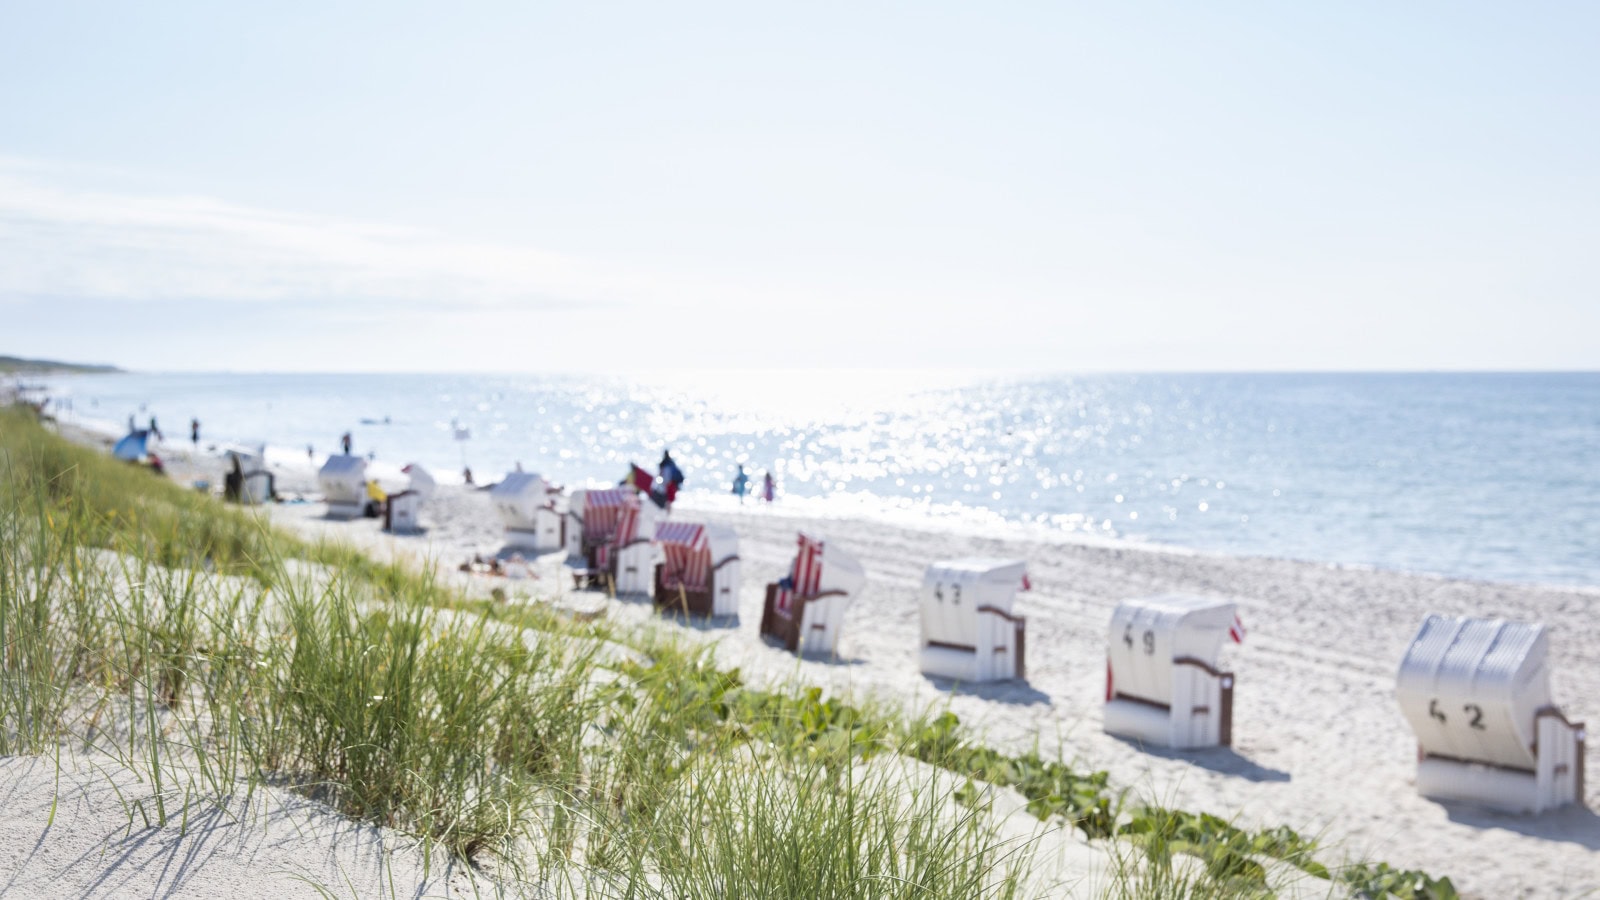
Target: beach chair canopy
600,511
422,483
344,479
518,497
251,459
1473,689
819,568
956,595
692,551
630,524
980,580
1149,634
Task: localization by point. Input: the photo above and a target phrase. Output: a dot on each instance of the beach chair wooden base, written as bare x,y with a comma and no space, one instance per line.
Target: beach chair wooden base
1005,659
679,599
792,628
1207,719
591,574
1556,779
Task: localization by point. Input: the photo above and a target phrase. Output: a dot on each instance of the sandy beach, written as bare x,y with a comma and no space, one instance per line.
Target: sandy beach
1319,743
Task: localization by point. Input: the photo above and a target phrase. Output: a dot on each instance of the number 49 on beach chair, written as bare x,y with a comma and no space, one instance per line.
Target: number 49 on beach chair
1477,694
1163,686
805,611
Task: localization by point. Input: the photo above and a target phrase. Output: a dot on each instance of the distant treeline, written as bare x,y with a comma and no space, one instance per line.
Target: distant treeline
16,364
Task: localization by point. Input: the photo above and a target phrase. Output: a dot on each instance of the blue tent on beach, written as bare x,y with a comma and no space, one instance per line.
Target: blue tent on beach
131,448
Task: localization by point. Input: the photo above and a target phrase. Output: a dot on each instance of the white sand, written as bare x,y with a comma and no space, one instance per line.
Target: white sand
277,845
1319,742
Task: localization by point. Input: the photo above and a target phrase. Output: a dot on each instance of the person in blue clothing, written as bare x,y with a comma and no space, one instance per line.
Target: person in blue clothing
671,476
741,483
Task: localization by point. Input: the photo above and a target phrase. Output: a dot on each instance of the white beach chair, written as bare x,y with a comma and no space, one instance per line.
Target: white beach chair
1477,695
699,573
969,631
402,512
1163,685
343,480
527,508
247,479
630,557
808,613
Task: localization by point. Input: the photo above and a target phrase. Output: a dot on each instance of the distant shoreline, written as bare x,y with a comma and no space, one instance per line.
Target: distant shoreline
16,365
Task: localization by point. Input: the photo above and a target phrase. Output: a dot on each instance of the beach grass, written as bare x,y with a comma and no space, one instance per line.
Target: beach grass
213,655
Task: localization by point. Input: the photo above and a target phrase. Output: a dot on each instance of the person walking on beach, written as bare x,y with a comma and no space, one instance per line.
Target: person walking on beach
155,430
344,441
741,483
310,452
131,426
194,432
769,488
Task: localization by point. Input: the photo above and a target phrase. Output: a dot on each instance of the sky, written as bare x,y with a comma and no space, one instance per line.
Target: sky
514,186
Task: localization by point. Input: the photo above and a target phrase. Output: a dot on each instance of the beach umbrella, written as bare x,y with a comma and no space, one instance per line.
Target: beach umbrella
131,448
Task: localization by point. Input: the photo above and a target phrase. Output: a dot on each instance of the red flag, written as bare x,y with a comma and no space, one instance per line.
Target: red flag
1236,630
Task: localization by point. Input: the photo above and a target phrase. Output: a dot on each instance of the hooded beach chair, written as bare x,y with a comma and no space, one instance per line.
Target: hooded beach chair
527,508
247,479
807,612
1477,694
402,511
593,550
969,631
699,571
343,480
1163,684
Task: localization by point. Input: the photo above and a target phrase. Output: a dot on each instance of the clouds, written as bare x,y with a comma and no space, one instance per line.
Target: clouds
66,242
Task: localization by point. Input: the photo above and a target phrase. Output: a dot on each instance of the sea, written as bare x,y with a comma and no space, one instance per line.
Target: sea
1483,476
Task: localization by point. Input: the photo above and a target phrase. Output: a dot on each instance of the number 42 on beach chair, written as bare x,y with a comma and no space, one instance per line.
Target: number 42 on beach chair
1477,694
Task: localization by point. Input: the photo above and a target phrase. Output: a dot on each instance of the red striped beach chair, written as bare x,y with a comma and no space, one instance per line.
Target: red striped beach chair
807,613
592,520
699,571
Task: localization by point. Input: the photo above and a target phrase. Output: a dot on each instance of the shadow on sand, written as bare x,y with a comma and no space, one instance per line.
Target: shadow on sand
1222,760
1570,824
678,617
827,659
1018,693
